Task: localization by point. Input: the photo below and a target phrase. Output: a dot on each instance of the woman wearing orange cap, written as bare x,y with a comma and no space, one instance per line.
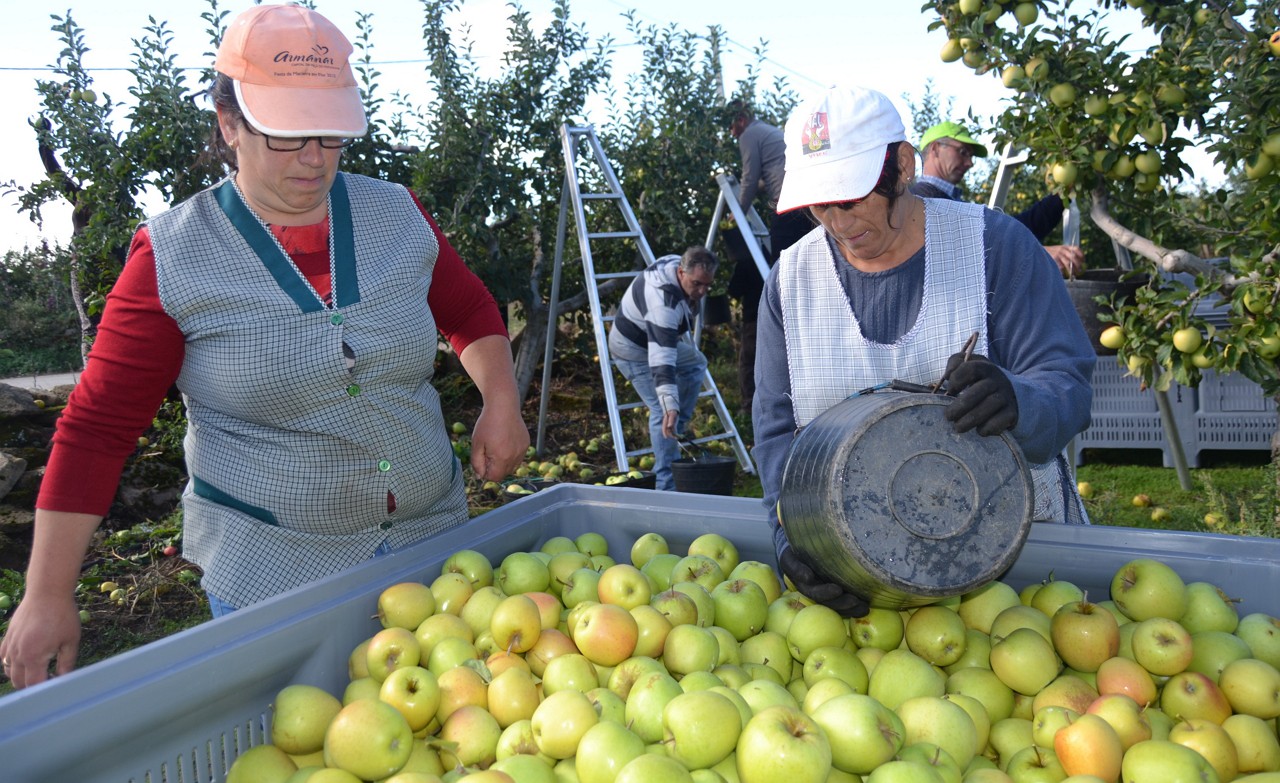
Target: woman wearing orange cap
297,309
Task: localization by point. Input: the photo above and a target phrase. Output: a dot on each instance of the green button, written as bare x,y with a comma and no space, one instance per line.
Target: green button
384,465
353,390
336,319
386,525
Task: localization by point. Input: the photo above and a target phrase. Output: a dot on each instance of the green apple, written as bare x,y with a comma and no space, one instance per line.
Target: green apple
701,599
718,548
1064,173
822,691
522,572
1253,687
1062,94
1084,635
1213,650
1112,337
1054,594
652,768
262,764
1127,717
1035,765
369,739
979,607
625,675
1187,695
741,607
646,546
451,591
768,649
480,607
524,768
762,694
1210,740
1024,660
517,740
1262,633
690,648
361,688
1046,722
646,700
1257,748
471,564
701,728
558,544
813,627
659,569
652,628
1009,737
592,544
901,675
1026,13
1162,646
984,686
460,686
762,574
1188,339
1208,609
937,634
560,721
977,652
624,585
1012,74
1166,761
608,705
561,567
839,663
880,628
569,672
413,691
1066,690
679,608
299,717
512,696
783,744
515,623
438,627
604,750
1096,105
471,734
1258,165
405,605
1145,588
783,610
390,649
1021,616
935,720
699,569
951,50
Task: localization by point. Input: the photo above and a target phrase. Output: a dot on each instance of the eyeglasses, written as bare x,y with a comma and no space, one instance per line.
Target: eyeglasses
963,150
293,144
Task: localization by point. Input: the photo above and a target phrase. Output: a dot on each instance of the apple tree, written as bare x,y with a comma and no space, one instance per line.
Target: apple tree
1114,126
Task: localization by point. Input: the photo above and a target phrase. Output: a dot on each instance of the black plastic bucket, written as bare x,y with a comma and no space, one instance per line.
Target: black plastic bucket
707,475
1093,283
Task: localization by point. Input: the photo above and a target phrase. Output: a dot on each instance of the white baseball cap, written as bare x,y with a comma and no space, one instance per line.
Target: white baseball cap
836,146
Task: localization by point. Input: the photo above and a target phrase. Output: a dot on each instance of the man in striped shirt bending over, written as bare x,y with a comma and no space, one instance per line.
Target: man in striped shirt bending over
647,344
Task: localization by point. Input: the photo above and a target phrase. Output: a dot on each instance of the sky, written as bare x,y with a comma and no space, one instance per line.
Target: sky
875,43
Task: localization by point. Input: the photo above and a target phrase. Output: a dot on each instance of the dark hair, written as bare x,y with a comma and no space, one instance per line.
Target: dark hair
737,109
889,184
698,256
223,95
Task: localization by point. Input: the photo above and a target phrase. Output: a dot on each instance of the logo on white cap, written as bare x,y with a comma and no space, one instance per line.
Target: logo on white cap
816,136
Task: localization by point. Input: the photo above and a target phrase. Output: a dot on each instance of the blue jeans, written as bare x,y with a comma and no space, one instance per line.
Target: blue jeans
691,367
219,607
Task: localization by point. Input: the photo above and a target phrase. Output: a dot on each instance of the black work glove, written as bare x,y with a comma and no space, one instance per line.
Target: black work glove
984,396
812,586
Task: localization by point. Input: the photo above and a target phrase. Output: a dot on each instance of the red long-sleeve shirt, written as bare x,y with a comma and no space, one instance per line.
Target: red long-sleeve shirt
139,351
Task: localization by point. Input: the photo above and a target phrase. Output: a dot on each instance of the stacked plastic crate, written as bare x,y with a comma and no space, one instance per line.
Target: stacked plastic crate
1225,412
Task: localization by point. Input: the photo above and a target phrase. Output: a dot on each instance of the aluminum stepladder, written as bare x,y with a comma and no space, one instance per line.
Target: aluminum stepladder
749,224
587,164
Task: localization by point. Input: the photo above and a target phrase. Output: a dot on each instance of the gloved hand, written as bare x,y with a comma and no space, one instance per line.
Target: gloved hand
812,586
984,396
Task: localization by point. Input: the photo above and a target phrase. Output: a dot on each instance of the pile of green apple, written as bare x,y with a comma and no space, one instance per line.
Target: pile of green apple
564,665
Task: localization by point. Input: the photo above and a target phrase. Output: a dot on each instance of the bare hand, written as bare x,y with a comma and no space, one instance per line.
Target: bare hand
42,631
669,424
498,443
1069,258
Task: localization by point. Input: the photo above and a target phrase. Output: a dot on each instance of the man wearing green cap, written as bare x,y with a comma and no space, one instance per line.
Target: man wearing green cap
948,151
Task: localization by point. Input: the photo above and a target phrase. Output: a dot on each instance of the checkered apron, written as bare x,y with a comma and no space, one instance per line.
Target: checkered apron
291,454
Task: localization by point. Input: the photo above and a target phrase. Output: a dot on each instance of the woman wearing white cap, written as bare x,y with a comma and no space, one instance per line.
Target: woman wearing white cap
888,287
297,310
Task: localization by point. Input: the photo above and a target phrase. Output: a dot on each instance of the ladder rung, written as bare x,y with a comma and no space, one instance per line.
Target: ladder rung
614,235
612,275
626,406
598,196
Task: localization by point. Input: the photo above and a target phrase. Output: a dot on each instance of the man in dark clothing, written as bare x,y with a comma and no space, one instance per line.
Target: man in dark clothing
763,152
948,151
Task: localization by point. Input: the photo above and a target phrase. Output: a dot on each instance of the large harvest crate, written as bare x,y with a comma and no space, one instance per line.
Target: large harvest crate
181,709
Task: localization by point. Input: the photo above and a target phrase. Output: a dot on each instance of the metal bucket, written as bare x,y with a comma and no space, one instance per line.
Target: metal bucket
1100,282
881,495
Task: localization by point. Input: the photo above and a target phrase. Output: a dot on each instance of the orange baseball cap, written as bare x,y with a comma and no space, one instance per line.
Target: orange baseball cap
292,73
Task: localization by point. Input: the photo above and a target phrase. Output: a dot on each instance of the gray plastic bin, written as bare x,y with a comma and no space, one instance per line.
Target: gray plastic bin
182,708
